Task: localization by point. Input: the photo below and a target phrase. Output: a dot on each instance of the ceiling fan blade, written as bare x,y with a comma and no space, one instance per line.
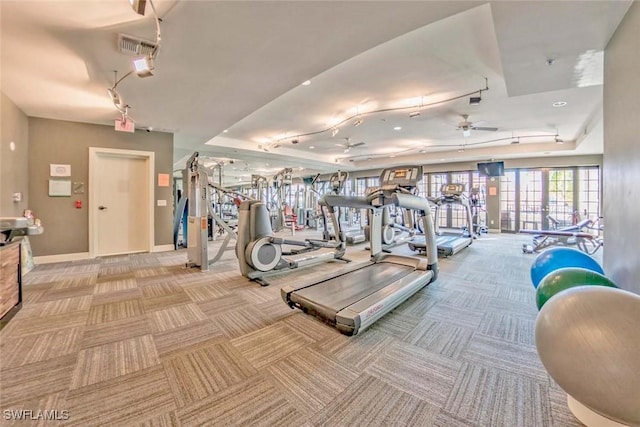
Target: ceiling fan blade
484,128
357,144
340,145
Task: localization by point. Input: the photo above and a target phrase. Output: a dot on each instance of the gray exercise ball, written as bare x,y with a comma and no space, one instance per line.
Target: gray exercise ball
588,339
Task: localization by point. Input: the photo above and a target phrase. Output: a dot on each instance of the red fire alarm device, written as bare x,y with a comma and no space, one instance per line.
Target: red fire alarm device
78,204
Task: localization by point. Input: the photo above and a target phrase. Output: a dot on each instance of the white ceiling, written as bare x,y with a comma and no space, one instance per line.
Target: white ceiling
237,66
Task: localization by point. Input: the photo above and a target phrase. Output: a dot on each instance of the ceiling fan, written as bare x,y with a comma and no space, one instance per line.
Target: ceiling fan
466,126
347,145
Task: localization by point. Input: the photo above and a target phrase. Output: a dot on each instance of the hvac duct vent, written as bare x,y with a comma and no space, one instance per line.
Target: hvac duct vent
134,46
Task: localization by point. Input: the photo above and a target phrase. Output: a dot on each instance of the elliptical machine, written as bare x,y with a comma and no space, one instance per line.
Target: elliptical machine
259,251
393,233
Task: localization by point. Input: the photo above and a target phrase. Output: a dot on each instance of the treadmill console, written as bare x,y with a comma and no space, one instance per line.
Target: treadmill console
401,176
452,190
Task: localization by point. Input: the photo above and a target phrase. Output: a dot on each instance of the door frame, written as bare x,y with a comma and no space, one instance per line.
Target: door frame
149,157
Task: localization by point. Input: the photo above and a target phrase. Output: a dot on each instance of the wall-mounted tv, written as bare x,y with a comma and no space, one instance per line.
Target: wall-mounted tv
491,169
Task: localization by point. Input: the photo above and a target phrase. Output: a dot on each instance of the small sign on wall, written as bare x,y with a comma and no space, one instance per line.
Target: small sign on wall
163,180
59,170
59,188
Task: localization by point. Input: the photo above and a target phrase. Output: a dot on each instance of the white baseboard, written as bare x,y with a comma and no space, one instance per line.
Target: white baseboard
589,417
48,259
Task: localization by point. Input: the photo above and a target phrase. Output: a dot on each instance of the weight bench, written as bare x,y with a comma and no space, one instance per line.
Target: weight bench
567,236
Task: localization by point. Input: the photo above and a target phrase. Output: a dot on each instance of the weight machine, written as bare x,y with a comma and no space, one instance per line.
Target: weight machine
260,188
199,207
285,215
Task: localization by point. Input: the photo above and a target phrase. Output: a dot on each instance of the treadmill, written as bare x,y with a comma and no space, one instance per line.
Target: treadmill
449,243
353,300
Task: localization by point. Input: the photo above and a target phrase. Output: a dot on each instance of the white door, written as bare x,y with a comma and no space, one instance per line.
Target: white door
120,205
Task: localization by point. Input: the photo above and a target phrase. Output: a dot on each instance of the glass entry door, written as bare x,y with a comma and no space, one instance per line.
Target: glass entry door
508,201
542,199
561,210
531,200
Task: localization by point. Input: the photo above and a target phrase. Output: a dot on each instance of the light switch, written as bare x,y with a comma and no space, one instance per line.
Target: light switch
17,197
162,203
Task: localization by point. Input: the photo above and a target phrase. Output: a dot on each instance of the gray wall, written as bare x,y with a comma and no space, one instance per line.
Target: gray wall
14,165
61,142
622,152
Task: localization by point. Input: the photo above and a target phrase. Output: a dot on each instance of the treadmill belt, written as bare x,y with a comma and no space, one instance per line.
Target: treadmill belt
441,241
349,288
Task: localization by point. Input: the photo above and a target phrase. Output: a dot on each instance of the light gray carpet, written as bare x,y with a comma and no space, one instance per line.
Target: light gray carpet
142,340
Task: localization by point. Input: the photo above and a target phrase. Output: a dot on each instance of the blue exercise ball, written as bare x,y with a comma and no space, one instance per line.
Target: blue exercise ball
555,258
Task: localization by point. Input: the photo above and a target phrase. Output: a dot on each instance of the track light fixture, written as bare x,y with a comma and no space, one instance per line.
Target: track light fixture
460,148
414,113
115,96
144,66
138,6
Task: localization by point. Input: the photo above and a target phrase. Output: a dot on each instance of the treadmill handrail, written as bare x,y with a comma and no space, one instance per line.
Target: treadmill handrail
409,201
357,202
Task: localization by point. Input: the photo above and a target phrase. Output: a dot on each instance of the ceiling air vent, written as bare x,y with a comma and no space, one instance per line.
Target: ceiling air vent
134,46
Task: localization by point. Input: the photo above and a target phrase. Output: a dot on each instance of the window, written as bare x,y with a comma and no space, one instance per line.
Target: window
508,200
561,203
589,193
530,199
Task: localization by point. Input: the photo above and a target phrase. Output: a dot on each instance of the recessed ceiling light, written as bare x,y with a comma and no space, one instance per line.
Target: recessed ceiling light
368,158
225,131
559,104
397,128
547,152
442,160
266,164
306,83
414,114
392,156
311,147
422,151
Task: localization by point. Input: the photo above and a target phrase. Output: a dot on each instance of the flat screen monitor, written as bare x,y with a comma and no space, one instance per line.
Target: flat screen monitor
491,169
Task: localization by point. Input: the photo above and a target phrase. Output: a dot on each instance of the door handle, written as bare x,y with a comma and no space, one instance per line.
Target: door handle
102,208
